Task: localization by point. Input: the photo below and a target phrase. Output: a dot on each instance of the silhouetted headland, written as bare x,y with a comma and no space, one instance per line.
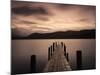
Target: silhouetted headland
83,34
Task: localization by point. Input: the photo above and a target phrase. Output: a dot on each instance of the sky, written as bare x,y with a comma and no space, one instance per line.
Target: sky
37,17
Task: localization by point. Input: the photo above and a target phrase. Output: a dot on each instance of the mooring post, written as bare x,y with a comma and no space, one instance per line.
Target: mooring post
33,63
79,59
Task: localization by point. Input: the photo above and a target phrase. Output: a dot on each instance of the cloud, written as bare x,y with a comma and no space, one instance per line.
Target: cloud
64,6
27,22
29,10
19,32
84,19
87,20
43,18
40,17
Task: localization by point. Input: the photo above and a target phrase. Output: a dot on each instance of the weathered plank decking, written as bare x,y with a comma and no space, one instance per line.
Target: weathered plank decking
58,61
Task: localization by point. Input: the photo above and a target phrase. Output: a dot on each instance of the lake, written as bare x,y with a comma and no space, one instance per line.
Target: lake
23,49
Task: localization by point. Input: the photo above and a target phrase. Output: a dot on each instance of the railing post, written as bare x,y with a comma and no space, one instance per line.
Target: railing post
51,50
53,46
67,57
49,53
64,50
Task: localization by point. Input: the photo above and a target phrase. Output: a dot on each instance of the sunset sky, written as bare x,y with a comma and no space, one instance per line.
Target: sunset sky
36,17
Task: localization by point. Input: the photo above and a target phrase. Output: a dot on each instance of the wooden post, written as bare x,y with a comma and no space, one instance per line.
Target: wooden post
64,50
62,44
67,57
49,53
79,59
56,44
53,46
33,63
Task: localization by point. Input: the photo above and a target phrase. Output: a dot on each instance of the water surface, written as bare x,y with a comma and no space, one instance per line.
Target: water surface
23,49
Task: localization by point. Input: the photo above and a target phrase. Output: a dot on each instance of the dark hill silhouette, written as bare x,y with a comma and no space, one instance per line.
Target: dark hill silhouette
83,34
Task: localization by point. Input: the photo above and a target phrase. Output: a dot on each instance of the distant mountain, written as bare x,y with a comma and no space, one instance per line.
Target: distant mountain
83,34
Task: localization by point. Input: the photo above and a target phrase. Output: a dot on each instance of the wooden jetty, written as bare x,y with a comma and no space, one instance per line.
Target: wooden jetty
57,58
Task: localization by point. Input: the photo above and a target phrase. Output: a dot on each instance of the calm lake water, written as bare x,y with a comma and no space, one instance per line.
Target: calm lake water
23,49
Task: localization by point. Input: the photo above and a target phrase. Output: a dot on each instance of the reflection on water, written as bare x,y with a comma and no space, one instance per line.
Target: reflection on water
23,49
